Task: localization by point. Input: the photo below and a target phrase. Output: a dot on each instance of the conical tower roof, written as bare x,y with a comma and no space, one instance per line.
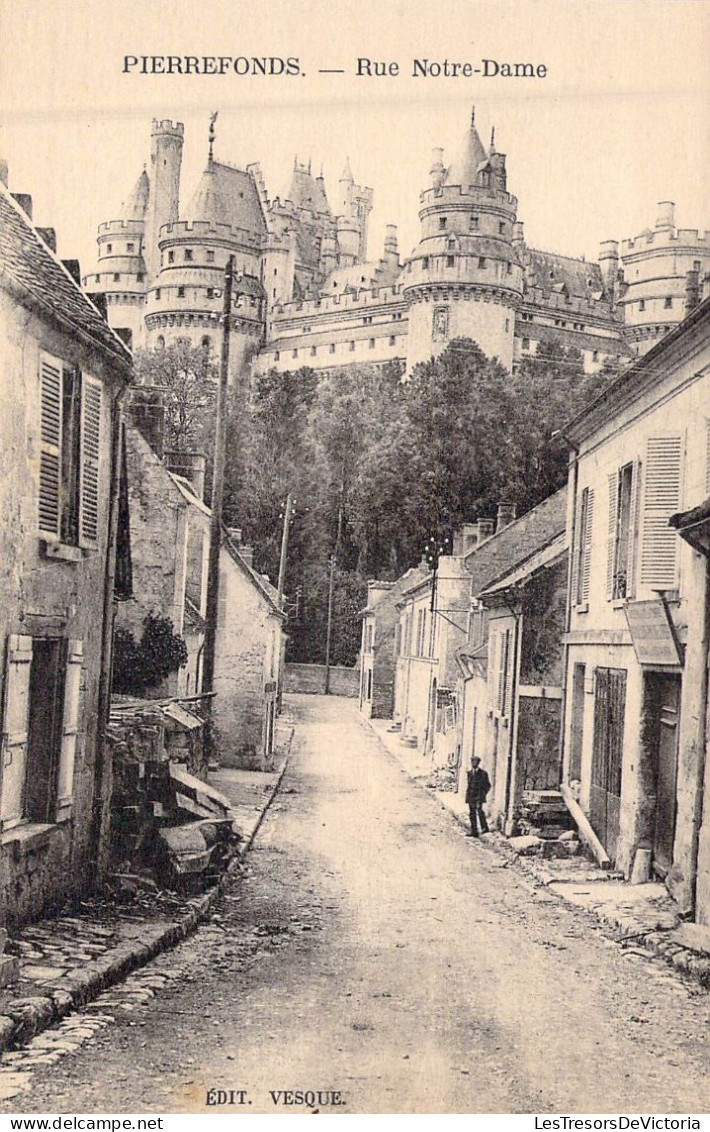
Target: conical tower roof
226,195
471,156
136,204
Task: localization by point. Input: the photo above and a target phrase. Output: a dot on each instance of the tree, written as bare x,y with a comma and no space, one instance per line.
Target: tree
188,378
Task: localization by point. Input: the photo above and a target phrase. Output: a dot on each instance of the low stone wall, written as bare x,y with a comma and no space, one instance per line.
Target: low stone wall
310,679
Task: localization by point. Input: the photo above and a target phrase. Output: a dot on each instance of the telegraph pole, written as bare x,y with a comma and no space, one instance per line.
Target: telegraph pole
331,588
218,486
284,548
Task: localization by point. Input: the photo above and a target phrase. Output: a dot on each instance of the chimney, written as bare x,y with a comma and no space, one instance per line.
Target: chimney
25,202
49,236
665,221
692,288
465,538
189,465
609,266
72,266
485,528
506,514
391,248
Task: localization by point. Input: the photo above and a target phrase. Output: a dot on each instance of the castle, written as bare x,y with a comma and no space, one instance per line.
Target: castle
307,294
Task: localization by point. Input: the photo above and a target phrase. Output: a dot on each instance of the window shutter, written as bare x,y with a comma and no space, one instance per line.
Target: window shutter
576,548
633,524
494,642
509,674
661,498
50,458
707,455
91,392
70,728
15,722
611,537
586,565
502,671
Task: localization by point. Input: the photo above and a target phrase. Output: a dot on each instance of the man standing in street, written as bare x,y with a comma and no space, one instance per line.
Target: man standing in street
476,793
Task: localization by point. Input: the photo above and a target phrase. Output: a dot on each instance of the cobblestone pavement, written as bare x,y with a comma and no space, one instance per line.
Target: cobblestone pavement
371,950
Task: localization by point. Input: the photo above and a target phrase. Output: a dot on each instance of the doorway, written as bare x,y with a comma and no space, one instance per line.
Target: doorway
607,755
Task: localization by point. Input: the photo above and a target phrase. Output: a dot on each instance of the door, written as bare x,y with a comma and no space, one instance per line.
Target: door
45,722
666,771
607,755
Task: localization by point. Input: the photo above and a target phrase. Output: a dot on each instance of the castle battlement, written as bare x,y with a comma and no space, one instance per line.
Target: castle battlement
195,229
377,296
577,304
121,227
167,126
458,194
691,237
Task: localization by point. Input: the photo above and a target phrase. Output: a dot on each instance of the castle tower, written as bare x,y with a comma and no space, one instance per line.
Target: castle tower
163,207
655,266
354,208
464,279
120,271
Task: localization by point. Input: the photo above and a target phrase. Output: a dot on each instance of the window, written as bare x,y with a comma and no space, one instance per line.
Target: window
481,261
621,539
188,255
109,249
277,355
210,256
450,260
181,292
140,277
526,344
473,223
595,355
331,348
442,223
295,353
313,351
425,263
130,247
39,728
351,346
393,339
70,445
171,257
501,228
206,344
583,548
117,277
668,302
642,304
157,292
371,344
367,319
161,342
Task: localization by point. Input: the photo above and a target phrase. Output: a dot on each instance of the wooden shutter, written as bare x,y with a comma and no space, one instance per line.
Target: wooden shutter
91,394
611,535
586,561
15,723
661,498
494,650
70,728
50,457
502,671
631,551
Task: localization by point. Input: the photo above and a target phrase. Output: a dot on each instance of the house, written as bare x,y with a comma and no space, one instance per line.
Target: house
510,668
248,660
171,556
636,677
64,375
379,647
170,525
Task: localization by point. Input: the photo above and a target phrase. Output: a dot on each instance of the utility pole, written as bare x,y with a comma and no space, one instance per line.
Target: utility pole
331,587
217,487
284,548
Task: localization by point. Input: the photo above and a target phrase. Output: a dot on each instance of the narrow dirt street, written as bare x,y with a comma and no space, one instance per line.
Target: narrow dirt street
372,949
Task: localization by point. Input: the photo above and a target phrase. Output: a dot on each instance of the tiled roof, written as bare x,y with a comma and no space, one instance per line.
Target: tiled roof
550,553
28,266
548,271
516,542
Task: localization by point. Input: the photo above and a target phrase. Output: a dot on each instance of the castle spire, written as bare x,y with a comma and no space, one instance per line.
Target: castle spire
472,154
213,119
493,141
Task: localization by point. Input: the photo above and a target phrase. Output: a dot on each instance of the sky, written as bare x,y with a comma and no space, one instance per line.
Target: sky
620,122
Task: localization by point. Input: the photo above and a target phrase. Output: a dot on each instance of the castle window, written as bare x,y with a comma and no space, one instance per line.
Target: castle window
188,255
116,277
508,267
140,277
642,304
295,353
313,351
157,292
552,274
501,228
210,257
171,257
331,348
160,343
274,292
130,247
526,343
473,223
351,346
450,260
668,302
98,278
276,271
367,319
210,292
595,355
109,249
181,292
206,344
277,355
481,261
372,343
425,263
393,339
